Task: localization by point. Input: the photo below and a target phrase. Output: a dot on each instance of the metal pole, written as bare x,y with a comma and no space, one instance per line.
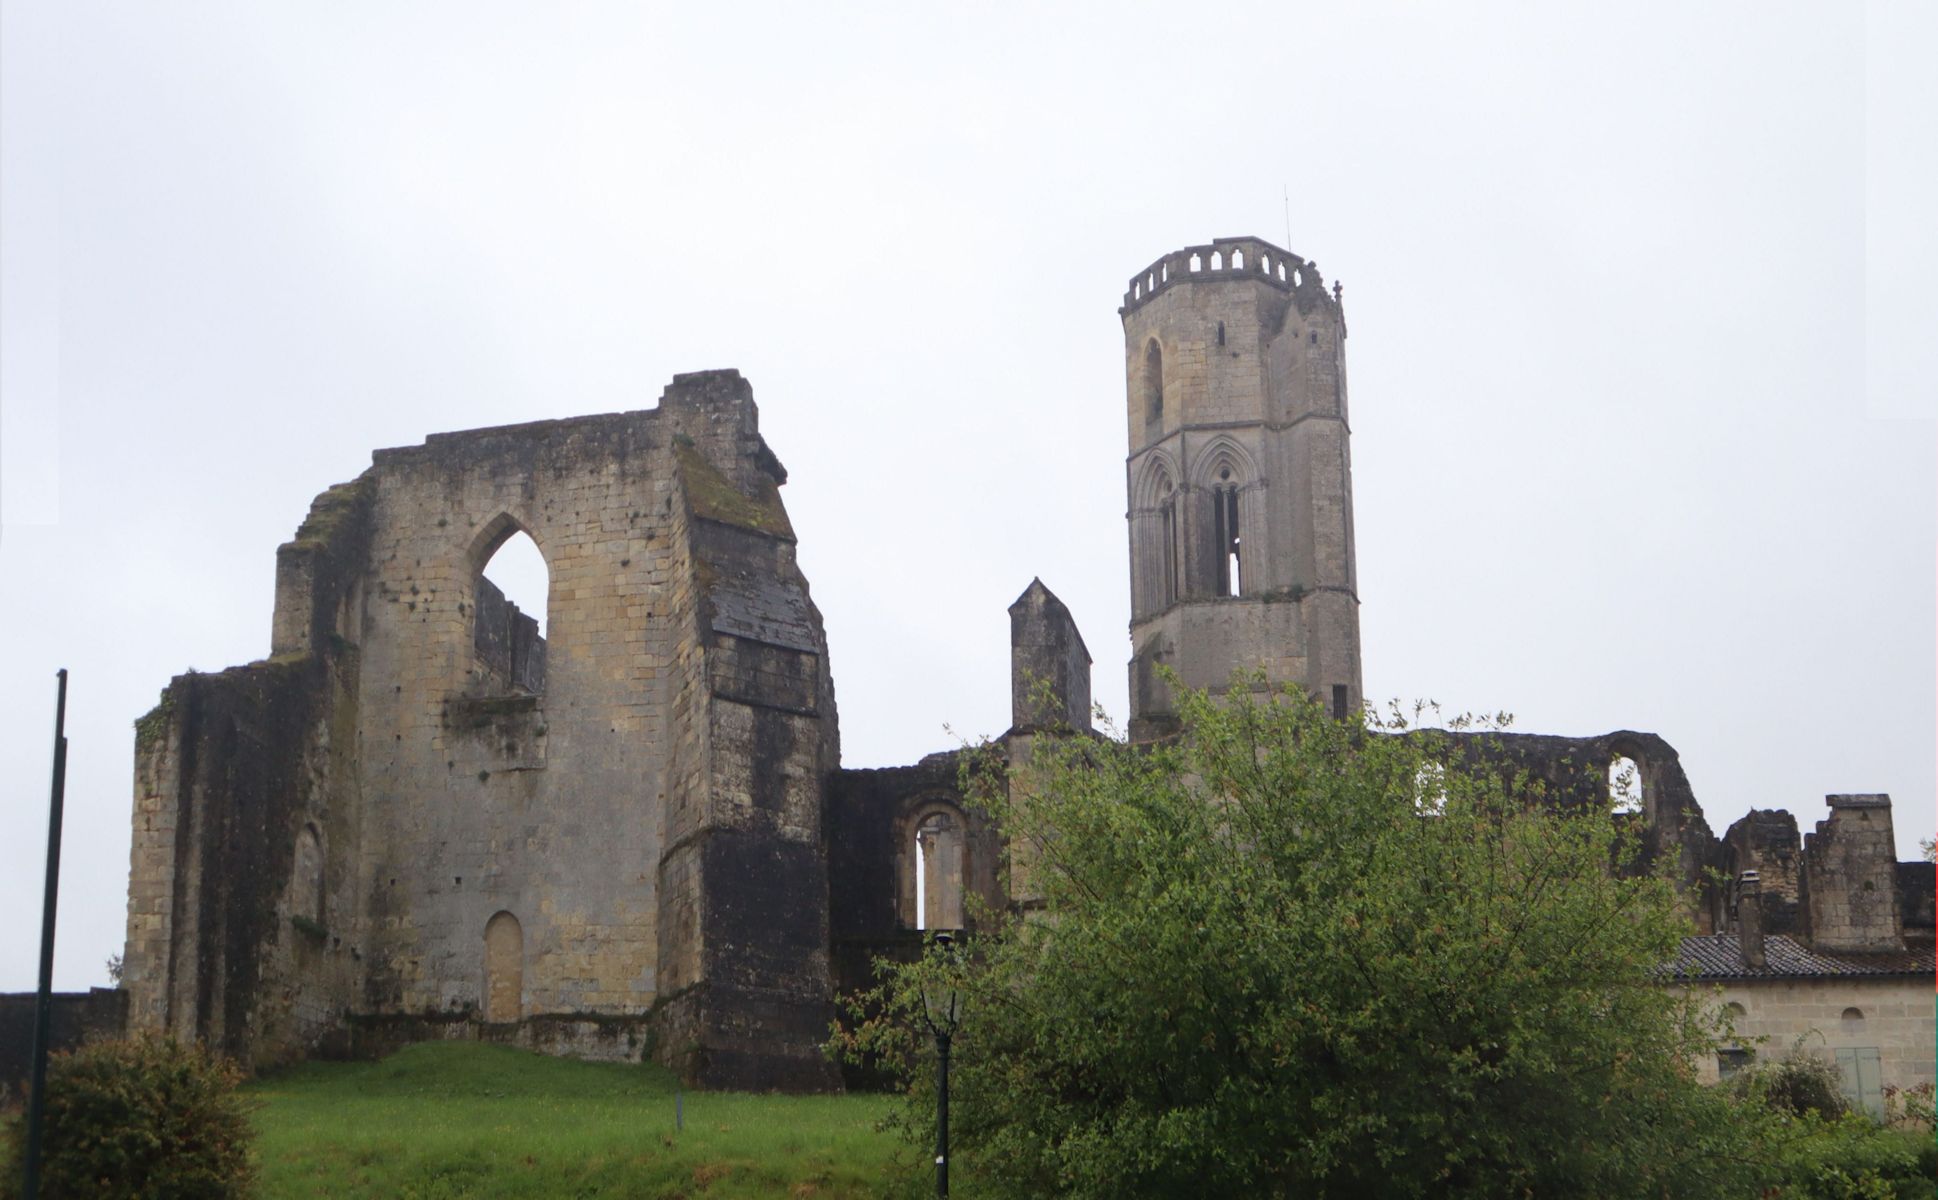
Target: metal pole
43,1003
942,1115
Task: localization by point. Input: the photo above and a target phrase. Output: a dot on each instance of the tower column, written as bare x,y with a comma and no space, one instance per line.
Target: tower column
1236,398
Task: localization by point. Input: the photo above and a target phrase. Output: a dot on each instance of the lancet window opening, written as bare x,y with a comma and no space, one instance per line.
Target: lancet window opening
938,860
1226,536
1168,556
509,609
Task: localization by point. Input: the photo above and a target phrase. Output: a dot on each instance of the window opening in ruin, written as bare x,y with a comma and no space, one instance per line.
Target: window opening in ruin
1197,264
1429,786
1221,333
938,872
1624,785
1224,503
1153,381
509,616
1217,260
1237,260
1338,701
504,969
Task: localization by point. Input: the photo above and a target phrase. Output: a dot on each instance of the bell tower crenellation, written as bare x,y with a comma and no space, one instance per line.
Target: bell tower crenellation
1239,476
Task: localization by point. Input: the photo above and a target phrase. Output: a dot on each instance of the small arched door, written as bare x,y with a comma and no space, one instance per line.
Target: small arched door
504,969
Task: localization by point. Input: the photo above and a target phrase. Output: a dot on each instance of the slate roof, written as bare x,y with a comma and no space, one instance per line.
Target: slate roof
1719,956
764,609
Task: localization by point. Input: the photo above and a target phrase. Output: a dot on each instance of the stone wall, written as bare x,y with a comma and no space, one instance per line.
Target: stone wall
1237,419
632,805
233,773
1766,841
1849,886
1049,666
1892,1015
74,1019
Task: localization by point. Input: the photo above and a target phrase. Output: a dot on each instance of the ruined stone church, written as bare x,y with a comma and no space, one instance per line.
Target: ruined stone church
632,837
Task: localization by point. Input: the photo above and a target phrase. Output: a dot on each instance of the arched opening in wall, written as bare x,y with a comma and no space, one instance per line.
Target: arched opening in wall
1217,260
1853,1020
1237,260
1153,382
504,969
1430,789
1224,497
1197,264
1624,785
938,871
509,616
306,879
1734,1057
1169,557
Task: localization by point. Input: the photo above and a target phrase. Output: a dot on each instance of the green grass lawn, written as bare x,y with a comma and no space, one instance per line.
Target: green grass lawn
457,1119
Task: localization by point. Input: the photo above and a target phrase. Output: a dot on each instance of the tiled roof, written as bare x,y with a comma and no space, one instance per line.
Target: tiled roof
1720,956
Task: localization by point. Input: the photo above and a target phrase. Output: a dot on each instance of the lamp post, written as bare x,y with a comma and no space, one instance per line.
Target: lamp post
941,1013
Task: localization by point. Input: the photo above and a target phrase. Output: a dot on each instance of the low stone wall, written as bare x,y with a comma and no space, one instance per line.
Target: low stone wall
77,1018
596,1037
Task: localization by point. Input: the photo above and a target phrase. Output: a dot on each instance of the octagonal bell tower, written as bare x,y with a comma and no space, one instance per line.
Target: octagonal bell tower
1240,477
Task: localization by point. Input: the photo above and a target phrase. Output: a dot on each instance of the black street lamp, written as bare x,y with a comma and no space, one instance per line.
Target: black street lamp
942,1014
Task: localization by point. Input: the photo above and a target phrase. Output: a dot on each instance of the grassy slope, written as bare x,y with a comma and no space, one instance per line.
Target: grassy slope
458,1119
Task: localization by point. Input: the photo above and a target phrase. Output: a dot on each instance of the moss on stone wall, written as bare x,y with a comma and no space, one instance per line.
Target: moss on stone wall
328,512
715,498
151,724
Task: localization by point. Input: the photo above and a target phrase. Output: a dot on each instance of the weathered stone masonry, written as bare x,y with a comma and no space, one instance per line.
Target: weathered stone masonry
631,838
675,729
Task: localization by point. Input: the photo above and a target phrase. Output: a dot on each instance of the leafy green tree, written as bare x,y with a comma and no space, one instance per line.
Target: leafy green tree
1284,955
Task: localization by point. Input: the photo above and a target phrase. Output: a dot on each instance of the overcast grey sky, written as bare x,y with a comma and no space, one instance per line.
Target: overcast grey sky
1640,356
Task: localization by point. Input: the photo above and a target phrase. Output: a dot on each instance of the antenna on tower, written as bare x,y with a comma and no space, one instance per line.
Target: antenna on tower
1288,217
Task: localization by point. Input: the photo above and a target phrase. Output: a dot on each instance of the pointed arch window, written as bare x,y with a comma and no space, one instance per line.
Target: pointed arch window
1226,536
1168,556
509,613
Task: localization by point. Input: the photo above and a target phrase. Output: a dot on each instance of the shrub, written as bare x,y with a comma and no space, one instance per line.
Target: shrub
1853,1158
146,1117
1798,1084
